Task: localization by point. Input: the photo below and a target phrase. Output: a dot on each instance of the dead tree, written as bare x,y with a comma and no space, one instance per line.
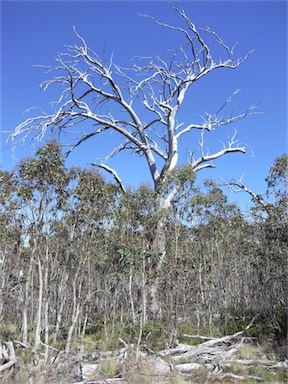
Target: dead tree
141,105
8,355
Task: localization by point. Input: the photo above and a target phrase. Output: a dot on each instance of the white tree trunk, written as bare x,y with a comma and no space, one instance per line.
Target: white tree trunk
62,295
159,251
131,295
27,298
72,328
37,341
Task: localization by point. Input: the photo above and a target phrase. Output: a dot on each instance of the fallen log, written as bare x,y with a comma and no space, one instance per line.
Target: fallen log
181,348
187,367
104,381
238,377
8,355
253,362
215,346
280,365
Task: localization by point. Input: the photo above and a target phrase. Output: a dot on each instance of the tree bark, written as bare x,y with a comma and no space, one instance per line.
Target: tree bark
72,327
62,296
158,247
131,294
37,341
27,296
10,357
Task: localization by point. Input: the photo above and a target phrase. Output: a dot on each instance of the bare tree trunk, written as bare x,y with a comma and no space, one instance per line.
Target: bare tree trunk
24,324
2,275
46,328
72,327
46,305
143,309
159,252
144,278
76,304
84,324
39,308
131,295
27,296
62,296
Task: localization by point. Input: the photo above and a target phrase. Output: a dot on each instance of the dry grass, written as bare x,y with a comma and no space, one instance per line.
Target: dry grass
109,367
250,351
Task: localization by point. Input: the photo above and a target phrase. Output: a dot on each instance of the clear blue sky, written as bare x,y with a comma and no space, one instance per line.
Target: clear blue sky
33,32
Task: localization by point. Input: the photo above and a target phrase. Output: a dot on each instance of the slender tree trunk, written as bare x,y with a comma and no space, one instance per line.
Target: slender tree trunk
105,315
84,325
144,278
131,294
46,328
72,327
46,300
39,306
2,276
62,297
142,319
76,304
27,298
24,323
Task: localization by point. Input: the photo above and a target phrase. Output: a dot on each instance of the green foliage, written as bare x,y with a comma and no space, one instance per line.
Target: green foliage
277,179
265,328
7,186
45,170
154,336
96,248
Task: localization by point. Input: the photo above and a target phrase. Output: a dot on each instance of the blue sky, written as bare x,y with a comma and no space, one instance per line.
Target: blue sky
34,32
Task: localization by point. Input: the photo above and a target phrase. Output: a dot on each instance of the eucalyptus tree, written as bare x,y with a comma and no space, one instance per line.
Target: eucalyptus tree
207,255
87,219
133,258
10,242
41,186
142,106
270,213
269,253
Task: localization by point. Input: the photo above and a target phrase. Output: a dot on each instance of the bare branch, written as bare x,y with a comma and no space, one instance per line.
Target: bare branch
114,173
211,122
201,162
140,103
237,185
10,357
86,137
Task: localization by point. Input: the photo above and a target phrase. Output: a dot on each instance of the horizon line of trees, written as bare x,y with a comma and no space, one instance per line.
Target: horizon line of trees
76,255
